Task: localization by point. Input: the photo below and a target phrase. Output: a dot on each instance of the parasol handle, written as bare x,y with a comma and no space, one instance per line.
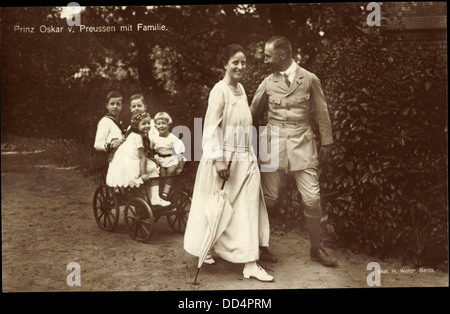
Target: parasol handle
229,165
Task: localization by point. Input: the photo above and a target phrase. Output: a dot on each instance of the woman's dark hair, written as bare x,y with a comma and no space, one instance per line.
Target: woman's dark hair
113,94
230,51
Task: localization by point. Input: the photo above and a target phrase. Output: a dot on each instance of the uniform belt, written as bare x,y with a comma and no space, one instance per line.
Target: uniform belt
165,155
287,123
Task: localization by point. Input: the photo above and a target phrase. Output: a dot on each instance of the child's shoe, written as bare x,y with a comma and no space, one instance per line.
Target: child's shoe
155,200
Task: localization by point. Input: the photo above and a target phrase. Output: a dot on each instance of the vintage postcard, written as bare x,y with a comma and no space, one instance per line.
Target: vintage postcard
224,147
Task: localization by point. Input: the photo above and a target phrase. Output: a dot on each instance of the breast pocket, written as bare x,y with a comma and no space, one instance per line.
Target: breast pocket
303,98
299,102
274,103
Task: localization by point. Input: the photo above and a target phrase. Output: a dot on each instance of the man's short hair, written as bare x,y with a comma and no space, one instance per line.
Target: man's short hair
281,42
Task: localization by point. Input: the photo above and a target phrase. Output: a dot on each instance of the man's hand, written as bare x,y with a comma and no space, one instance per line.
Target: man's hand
325,153
222,170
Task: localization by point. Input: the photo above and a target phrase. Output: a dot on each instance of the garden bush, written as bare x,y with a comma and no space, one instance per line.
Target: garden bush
384,189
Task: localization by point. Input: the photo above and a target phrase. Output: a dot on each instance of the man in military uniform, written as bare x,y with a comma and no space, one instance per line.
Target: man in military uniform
293,97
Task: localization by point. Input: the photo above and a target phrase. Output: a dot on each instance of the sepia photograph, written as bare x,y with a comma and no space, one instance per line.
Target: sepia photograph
235,147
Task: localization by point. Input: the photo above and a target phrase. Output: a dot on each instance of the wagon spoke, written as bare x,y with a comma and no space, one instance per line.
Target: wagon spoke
143,228
108,217
186,201
130,216
133,223
132,210
146,222
106,197
101,198
136,231
104,221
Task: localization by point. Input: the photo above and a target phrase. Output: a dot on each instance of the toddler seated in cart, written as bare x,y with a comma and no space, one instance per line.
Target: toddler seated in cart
169,151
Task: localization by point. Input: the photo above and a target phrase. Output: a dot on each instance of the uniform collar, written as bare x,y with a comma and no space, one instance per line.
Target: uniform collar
290,70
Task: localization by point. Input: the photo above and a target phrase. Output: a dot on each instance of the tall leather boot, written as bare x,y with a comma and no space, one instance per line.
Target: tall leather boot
317,252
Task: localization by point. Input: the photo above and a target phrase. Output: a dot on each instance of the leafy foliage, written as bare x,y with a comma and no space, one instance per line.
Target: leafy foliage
387,179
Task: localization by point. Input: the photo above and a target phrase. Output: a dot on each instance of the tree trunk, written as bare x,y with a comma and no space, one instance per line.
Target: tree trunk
145,67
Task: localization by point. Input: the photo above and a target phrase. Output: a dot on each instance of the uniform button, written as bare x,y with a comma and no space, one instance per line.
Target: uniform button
289,137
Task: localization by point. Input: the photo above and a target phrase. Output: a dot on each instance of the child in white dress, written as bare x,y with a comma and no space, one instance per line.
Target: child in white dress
169,150
132,162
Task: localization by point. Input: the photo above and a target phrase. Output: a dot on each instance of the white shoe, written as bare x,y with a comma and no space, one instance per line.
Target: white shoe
155,200
159,202
254,270
209,259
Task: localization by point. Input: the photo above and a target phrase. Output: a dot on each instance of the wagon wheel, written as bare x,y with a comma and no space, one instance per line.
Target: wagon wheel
178,219
106,208
139,219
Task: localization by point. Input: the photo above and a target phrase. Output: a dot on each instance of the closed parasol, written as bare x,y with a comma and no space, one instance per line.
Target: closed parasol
218,212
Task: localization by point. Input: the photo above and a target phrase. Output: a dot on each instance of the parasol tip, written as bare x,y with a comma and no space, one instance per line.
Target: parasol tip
196,275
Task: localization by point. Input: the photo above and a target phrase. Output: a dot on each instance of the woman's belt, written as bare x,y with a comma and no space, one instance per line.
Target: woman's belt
236,148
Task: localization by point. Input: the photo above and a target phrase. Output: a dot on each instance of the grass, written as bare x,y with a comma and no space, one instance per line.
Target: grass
65,152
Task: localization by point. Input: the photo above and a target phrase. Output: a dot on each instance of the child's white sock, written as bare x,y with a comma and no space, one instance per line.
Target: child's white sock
166,190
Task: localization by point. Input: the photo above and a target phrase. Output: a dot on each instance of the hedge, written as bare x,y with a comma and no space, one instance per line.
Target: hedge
384,189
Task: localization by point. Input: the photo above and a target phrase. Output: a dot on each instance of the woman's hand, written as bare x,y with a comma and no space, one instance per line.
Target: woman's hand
222,170
145,177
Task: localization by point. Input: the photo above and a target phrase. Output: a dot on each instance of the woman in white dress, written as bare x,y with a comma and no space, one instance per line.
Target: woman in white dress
228,112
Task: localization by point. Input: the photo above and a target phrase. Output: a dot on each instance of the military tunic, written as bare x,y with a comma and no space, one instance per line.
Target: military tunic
292,109
289,137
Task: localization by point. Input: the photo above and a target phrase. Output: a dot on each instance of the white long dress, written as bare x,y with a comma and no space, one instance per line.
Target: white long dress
249,226
124,169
